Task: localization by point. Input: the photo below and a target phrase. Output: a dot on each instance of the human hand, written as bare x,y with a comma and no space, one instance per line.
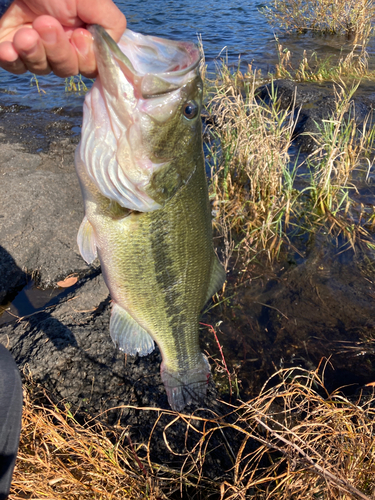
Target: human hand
49,35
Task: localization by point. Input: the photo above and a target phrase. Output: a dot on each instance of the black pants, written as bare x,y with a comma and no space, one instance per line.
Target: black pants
10,418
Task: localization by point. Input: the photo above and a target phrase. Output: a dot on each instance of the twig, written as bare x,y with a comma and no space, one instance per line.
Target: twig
271,307
140,465
222,356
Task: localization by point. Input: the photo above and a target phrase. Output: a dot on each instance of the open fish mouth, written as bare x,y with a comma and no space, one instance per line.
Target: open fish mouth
144,84
153,65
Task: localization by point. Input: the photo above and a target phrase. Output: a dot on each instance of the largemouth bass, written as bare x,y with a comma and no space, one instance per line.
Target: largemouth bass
147,216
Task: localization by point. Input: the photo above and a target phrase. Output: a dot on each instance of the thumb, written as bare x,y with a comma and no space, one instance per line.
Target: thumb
105,13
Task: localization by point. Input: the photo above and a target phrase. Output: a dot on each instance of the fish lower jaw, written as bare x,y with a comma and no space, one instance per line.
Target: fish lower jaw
186,387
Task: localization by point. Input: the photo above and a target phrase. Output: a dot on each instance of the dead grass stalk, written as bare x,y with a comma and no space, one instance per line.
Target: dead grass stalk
294,440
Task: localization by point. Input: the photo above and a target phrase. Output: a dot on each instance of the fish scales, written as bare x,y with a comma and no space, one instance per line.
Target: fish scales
158,264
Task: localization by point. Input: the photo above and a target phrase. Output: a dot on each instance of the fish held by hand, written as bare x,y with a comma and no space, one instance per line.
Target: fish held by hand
147,216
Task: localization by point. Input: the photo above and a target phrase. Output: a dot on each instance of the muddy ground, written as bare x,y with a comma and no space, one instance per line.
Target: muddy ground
316,304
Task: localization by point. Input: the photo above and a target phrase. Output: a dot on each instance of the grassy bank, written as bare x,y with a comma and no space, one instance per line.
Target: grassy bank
255,186
296,440
353,17
353,66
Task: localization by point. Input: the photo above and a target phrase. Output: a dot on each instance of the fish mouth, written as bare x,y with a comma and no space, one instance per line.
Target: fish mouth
154,66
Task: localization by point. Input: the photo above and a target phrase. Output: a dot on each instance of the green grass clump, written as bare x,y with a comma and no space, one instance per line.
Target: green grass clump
344,155
75,84
256,203
353,66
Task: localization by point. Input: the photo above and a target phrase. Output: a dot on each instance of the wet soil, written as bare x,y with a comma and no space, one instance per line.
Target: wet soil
316,304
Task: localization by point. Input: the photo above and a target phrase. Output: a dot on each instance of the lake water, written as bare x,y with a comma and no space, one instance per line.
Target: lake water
229,29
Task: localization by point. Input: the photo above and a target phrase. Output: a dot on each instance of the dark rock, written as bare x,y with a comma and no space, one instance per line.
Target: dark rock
289,92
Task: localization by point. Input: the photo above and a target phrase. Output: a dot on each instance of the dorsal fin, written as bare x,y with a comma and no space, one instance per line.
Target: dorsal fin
217,278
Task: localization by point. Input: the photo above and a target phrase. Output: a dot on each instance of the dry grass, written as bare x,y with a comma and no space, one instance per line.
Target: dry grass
295,440
327,442
323,16
61,459
250,178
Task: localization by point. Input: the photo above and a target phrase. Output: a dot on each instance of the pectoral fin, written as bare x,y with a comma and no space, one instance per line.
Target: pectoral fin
128,335
86,241
217,278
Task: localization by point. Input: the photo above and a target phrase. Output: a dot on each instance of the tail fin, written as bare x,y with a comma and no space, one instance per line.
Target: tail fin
186,387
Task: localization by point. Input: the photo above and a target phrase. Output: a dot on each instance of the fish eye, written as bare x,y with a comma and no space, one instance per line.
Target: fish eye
190,110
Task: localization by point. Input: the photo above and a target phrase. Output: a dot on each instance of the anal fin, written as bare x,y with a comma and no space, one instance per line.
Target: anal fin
128,335
217,278
86,241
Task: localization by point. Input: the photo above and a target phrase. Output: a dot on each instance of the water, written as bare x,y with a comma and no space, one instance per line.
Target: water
228,29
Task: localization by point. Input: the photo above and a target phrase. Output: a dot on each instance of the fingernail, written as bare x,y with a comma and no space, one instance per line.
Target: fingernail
81,44
49,35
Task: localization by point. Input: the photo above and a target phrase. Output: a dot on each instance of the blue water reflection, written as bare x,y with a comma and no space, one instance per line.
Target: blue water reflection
229,29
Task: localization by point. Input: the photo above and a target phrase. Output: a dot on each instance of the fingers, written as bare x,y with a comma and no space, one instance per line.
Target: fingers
41,49
83,43
31,52
48,46
9,59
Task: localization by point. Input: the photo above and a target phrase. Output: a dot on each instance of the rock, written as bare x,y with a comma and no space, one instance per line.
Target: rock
40,212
